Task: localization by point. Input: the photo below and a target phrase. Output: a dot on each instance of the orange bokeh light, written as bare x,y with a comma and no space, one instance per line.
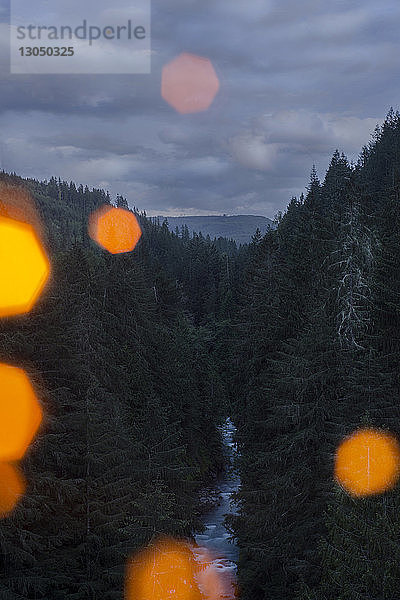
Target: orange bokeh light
20,413
164,571
189,83
12,487
24,267
115,229
174,570
368,462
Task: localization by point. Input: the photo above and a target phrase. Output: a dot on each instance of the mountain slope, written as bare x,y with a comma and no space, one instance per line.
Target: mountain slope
238,227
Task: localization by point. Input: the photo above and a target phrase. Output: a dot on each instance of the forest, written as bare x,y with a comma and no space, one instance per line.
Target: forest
139,358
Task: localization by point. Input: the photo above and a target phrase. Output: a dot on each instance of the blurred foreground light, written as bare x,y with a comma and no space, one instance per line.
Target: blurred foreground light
189,83
174,570
164,571
12,487
24,267
115,229
368,462
20,413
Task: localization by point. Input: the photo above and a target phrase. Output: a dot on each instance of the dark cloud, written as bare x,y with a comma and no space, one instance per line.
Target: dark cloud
298,80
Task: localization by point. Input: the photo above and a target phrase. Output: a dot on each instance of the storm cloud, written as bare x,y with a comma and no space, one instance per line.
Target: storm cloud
297,81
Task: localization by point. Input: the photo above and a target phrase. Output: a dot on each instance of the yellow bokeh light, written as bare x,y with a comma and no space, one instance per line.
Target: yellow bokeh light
115,229
368,462
24,267
12,487
189,83
20,413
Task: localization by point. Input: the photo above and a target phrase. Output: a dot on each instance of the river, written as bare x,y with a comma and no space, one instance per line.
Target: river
214,544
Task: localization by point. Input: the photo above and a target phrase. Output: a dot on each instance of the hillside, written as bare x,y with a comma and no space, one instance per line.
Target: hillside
318,357
238,227
130,393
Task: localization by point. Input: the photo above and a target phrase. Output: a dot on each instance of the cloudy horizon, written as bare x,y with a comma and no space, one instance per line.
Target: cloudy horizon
296,82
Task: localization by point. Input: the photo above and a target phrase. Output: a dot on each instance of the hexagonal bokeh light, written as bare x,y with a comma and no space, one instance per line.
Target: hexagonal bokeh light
189,83
20,413
368,462
24,267
115,229
163,571
12,487
174,569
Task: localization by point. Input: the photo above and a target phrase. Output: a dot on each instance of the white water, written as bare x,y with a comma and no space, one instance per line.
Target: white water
215,539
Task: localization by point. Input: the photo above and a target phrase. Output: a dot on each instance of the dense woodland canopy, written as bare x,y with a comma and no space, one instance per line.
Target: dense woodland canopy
120,348
318,355
138,358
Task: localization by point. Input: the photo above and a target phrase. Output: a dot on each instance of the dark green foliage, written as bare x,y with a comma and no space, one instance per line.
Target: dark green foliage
132,400
318,356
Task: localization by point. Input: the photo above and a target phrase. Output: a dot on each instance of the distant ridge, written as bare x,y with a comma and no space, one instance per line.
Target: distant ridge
238,227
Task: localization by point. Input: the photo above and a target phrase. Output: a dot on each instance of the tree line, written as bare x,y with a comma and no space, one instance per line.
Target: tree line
120,351
317,355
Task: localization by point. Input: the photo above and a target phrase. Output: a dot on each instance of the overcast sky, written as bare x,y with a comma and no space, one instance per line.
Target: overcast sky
298,79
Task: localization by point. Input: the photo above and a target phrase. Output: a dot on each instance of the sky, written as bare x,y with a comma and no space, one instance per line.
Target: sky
297,80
